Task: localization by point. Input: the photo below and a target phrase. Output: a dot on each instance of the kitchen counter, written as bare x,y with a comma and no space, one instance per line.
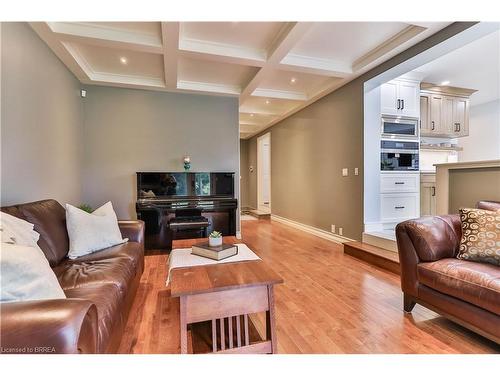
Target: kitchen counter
462,184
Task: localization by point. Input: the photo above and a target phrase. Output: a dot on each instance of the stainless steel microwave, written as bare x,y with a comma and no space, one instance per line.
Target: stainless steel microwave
399,127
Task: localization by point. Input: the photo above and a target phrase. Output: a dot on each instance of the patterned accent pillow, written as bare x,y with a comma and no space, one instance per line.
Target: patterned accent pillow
480,236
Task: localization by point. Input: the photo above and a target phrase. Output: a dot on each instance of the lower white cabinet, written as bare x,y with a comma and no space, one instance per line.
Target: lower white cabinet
399,182
399,206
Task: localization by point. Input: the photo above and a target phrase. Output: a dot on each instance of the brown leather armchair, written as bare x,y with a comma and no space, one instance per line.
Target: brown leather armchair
463,291
99,287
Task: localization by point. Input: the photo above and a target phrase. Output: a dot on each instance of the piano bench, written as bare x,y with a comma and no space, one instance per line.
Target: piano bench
190,224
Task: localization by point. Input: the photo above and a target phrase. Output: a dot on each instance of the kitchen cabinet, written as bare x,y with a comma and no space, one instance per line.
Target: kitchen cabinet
444,114
399,207
399,183
400,98
461,116
399,196
428,194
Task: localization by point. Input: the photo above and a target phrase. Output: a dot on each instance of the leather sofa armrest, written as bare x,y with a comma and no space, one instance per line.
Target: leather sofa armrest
426,239
48,326
434,237
408,261
132,229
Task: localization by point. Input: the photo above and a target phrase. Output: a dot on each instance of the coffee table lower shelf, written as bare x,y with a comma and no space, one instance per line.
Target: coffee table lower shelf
228,313
201,339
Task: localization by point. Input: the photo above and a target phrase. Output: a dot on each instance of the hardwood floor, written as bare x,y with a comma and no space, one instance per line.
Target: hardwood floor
330,303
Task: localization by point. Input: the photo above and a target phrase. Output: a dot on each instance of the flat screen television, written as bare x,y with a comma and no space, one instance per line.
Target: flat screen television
185,184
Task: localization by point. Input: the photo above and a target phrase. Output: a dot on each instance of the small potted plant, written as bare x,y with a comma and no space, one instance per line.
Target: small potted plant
215,239
86,207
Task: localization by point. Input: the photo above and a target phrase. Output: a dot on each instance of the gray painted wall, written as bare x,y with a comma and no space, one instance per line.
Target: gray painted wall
310,148
41,121
135,130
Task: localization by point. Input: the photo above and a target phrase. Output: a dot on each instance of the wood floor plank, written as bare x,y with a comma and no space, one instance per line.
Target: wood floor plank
330,303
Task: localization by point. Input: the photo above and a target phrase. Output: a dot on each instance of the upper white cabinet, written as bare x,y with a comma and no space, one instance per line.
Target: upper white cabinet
444,111
400,97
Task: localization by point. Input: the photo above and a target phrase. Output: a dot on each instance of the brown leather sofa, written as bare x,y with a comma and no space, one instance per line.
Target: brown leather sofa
463,291
99,287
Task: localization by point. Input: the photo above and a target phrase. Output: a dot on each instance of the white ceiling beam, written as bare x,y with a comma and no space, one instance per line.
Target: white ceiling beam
245,128
279,94
257,111
127,79
47,35
314,65
209,87
391,44
251,123
288,37
105,36
221,52
170,39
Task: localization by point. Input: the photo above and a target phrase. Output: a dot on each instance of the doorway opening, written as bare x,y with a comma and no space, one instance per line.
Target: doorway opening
264,173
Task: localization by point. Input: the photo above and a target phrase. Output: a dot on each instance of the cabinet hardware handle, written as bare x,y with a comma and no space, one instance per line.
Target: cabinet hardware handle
402,104
433,125
399,207
433,191
399,103
458,127
399,183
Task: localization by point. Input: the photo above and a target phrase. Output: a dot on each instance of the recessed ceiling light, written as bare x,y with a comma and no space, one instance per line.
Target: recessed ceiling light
445,83
293,80
123,60
251,114
268,102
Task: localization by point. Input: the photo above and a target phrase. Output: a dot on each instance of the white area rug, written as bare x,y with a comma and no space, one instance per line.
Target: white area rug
183,258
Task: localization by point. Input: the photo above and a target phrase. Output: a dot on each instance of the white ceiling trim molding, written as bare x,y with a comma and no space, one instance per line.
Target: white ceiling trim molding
127,79
390,45
315,65
251,123
275,114
85,31
110,43
80,60
249,128
105,77
209,87
279,94
222,52
46,34
291,33
170,38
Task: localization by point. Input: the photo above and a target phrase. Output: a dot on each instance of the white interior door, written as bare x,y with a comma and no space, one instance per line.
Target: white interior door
264,173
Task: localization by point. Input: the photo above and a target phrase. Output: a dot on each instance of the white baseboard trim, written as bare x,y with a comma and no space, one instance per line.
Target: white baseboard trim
312,230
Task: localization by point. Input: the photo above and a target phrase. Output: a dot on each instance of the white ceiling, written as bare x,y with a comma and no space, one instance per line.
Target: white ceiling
473,66
275,68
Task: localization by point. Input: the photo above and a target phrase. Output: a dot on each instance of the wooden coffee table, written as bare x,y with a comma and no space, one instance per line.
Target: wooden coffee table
225,295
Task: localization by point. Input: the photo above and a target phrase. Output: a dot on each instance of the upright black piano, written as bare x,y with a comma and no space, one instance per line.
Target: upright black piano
162,196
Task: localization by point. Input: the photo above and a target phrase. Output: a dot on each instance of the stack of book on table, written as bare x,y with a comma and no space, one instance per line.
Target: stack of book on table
214,252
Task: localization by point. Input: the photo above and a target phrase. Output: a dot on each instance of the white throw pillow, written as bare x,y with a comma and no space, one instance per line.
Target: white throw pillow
25,274
17,231
89,233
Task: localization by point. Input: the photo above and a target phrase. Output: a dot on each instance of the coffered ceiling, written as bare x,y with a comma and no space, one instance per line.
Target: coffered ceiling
275,68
